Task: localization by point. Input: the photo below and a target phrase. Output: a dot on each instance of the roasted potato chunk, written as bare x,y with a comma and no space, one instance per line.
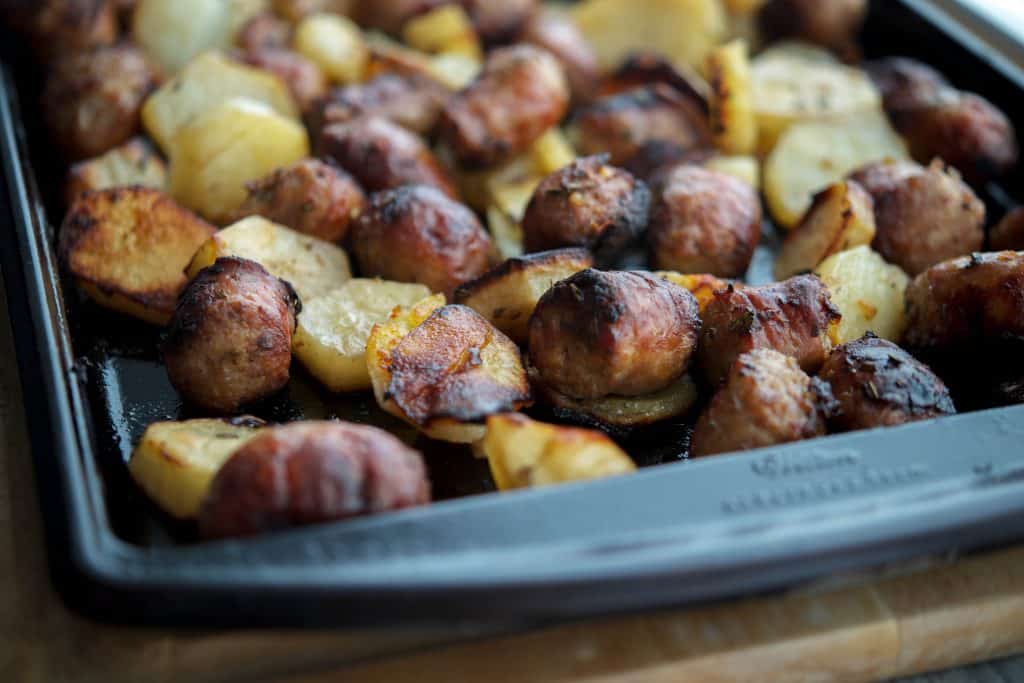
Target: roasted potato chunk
133,163
335,44
330,340
305,80
625,333
523,453
842,216
868,293
795,317
175,462
832,23
733,120
766,399
229,340
743,167
507,294
311,265
127,249
444,29
444,369
1008,233
555,31
701,285
311,472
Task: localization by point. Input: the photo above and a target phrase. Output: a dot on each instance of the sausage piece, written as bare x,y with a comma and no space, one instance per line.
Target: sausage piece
600,333
229,340
559,35
520,93
905,84
60,28
265,30
647,68
923,215
704,222
587,204
390,15
309,472
832,23
302,76
310,196
1008,234
417,234
765,400
383,155
795,317
499,22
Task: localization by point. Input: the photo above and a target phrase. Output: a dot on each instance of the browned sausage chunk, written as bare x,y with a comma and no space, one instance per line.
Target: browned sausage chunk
383,155
309,196
923,215
390,15
832,23
520,93
587,204
556,33
795,317
416,234
309,472
1008,234
600,333
878,384
648,68
265,30
766,400
304,79
906,85
500,21
92,100
64,27
230,338
704,222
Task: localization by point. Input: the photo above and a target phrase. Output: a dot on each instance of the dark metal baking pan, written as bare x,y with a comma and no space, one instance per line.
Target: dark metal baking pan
673,533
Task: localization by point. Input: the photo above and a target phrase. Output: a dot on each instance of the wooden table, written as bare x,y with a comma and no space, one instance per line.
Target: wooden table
936,618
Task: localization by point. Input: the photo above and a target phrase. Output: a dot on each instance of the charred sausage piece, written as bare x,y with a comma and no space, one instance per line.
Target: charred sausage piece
653,120
303,77
878,384
309,472
390,15
587,204
923,215
905,84
520,93
265,30
229,340
599,333
794,317
558,34
704,222
382,155
416,234
499,22
648,68
1008,234
92,100
310,196
832,23
65,27
766,400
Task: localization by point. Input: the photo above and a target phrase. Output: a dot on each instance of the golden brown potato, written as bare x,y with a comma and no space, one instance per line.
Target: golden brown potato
922,215
507,294
229,342
133,163
731,106
587,204
310,197
1008,233
868,292
311,472
127,249
704,222
795,317
335,44
554,31
766,400
626,333
878,384
416,234
832,23
91,100
701,285
443,30
304,79
520,93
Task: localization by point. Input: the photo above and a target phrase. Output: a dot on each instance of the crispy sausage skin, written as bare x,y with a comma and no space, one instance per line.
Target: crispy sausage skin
1008,234
832,23
390,15
557,34
303,77
878,384
63,27
905,84
587,204
766,400
265,30
648,68
924,215
310,196
600,333
416,234
91,100
229,340
520,93
795,317
382,155
309,472
498,22
704,222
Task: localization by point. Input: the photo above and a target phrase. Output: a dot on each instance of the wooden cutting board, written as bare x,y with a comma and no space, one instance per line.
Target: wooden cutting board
943,615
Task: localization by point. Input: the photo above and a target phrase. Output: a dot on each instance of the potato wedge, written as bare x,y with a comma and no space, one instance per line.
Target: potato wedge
551,151
133,163
311,265
443,30
206,82
335,44
506,295
811,156
743,7
523,453
733,121
868,292
444,369
127,249
330,339
745,167
454,71
175,462
238,141
842,216
506,233
701,285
